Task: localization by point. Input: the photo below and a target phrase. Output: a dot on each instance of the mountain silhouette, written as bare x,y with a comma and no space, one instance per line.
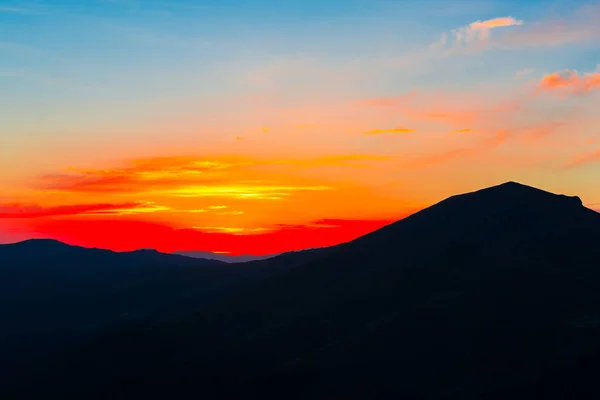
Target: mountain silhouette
487,295
54,295
223,257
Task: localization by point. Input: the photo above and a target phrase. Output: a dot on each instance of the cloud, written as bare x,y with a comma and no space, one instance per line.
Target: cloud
398,130
231,213
473,36
34,211
194,176
233,231
448,155
144,174
343,160
495,23
584,159
455,109
244,192
570,81
465,130
580,26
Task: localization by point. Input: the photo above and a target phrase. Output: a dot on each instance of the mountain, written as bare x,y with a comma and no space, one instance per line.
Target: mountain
54,295
223,257
487,295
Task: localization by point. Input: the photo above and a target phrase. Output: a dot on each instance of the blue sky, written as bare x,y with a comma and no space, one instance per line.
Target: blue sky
132,43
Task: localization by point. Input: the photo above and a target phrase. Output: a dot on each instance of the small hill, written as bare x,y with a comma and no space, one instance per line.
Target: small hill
53,295
223,257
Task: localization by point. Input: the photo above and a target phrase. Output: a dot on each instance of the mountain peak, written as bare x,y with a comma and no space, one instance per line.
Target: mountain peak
508,204
513,183
514,186
515,192
46,243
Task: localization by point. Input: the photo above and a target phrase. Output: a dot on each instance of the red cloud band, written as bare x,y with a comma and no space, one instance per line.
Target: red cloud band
34,211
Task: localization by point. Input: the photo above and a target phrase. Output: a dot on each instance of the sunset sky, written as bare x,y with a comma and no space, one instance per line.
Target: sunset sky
258,126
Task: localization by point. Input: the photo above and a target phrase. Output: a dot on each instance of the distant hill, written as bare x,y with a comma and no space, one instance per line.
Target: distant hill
223,257
54,295
488,295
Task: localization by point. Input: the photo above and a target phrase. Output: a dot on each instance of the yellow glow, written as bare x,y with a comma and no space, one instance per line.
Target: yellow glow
243,192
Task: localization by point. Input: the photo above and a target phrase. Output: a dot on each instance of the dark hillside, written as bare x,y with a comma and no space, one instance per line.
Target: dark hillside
491,294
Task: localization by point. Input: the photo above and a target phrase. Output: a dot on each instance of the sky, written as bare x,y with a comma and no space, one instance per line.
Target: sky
258,126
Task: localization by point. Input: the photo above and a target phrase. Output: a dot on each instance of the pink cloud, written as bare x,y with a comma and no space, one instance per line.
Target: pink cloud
495,23
570,81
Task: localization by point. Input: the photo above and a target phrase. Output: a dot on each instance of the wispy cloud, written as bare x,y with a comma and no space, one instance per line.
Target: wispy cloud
473,36
398,130
144,174
479,31
191,176
465,130
452,154
231,213
244,192
35,211
232,230
578,27
584,159
455,109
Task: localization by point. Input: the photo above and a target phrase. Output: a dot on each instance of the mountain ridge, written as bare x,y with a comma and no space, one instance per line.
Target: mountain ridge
481,295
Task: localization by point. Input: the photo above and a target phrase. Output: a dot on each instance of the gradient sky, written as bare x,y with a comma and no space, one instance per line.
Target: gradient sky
263,126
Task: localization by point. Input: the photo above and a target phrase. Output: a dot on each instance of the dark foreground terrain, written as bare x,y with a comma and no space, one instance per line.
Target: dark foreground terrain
489,295
54,296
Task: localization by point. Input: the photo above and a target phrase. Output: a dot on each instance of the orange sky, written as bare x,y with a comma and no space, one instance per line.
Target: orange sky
274,150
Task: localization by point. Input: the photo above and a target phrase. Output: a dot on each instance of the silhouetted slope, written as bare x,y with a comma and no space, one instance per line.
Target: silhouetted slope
223,257
491,294
53,294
